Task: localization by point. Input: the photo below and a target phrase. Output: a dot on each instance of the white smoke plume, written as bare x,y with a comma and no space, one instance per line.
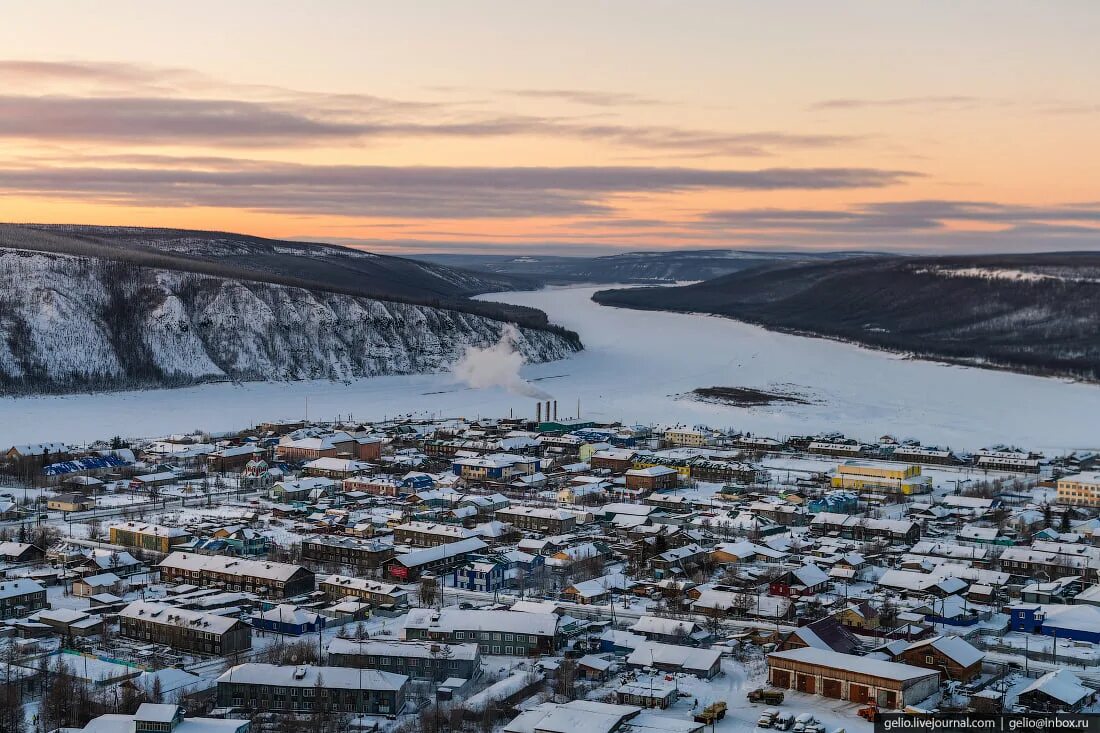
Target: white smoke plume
496,366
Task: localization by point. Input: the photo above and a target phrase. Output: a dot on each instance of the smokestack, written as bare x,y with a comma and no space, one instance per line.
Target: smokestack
555,409
547,409
538,411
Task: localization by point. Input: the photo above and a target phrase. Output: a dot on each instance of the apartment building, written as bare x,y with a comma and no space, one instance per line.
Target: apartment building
145,536
440,558
194,632
271,579
512,633
338,587
653,478
494,467
682,438
19,598
417,659
1080,489
429,534
538,519
363,554
308,689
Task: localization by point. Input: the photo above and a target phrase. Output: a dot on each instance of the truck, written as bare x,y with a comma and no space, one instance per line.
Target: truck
771,697
867,712
711,713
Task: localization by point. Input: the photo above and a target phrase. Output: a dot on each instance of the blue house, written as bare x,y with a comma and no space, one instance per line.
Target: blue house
289,620
417,481
486,576
837,502
1077,622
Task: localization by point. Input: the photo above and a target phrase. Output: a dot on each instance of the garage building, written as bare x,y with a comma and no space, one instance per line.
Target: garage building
850,677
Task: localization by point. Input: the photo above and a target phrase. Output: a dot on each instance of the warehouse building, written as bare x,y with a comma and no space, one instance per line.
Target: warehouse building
889,685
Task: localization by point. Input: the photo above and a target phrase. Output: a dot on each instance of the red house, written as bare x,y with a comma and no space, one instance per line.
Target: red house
804,581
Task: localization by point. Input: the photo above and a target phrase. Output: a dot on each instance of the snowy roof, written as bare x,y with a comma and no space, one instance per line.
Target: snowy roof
37,449
540,512
952,647
286,614
494,460
1075,616
675,655
1062,685
18,587
144,528
836,660
308,676
394,648
663,626
452,530
626,508
651,471
449,549
161,613
337,464
578,716
13,549
156,713
231,566
453,619
810,575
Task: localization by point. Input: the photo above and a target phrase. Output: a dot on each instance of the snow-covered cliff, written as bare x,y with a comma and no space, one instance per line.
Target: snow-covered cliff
69,323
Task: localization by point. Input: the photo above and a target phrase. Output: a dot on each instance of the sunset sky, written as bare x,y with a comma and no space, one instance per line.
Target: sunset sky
564,127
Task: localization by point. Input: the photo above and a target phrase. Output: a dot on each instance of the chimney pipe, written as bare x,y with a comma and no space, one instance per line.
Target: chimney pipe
548,410
555,409
538,411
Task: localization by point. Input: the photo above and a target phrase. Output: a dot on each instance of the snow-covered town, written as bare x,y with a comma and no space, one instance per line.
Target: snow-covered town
541,574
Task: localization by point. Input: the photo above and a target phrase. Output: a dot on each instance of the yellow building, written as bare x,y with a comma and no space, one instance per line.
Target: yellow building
686,438
1080,489
858,616
871,476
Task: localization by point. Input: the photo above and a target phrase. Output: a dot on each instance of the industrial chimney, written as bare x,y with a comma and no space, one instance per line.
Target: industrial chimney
548,410
555,409
538,411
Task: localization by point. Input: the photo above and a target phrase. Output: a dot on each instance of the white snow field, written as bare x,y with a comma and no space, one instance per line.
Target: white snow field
634,367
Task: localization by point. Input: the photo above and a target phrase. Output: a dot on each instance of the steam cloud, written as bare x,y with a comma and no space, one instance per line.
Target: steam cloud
496,366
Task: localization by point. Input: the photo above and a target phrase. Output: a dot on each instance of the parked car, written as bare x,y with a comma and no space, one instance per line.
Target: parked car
801,722
767,718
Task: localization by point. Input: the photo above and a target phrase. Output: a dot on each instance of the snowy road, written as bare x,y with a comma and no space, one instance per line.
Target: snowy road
634,367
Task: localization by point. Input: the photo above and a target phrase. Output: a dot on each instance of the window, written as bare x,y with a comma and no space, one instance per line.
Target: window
929,659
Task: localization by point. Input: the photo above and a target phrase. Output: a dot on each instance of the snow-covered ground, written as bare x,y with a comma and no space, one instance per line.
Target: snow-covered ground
634,367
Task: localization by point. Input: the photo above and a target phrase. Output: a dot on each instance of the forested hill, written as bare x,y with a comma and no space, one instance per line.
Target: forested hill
72,323
326,267
1035,313
115,307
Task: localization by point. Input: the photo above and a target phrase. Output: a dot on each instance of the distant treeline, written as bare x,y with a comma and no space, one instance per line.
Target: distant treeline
1038,314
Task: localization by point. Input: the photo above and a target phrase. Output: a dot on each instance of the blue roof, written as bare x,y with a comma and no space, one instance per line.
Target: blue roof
90,463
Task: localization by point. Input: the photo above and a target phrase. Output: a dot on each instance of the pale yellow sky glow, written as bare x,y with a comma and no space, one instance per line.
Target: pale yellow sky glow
574,127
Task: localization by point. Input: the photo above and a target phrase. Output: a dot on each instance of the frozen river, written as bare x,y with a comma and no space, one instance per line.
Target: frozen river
635,367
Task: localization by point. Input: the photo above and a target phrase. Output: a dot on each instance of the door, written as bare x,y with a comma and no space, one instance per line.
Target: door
888,699
807,683
781,678
859,693
831,688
